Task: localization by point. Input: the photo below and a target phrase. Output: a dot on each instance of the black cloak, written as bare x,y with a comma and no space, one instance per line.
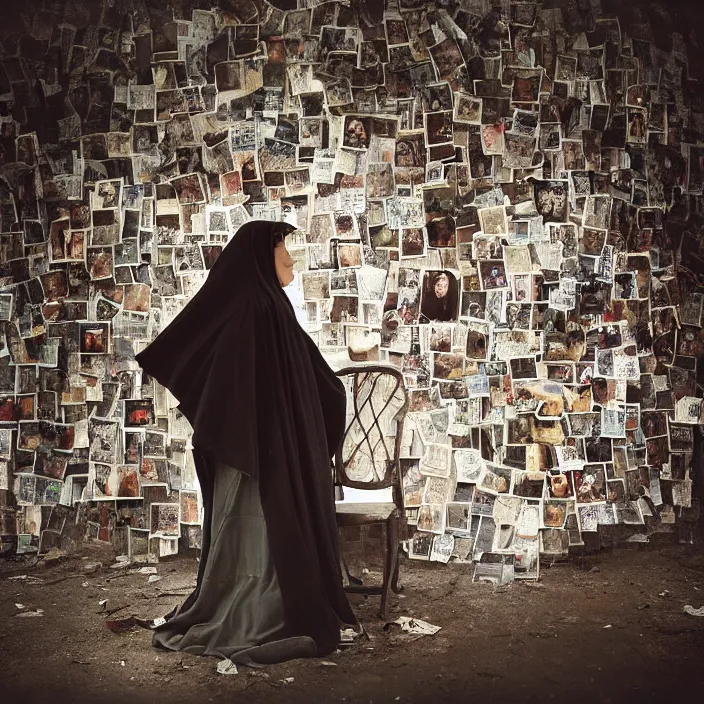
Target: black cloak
261,398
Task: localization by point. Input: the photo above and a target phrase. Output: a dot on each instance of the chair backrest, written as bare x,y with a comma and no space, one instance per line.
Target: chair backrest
377,402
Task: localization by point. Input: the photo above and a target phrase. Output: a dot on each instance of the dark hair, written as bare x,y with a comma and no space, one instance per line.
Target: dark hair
280,230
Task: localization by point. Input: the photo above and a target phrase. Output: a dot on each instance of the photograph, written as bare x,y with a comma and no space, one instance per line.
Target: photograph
103,437
590,484
438,127
188,501
551,200
138,412
493,220
164,520
431,518
637,126
492,274
94,338
356,132
467,109
440,296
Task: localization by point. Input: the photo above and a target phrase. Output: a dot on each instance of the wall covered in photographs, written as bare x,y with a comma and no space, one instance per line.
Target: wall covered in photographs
501,199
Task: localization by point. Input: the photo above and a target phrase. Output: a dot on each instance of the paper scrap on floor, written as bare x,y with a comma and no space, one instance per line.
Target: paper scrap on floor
694,612
416,627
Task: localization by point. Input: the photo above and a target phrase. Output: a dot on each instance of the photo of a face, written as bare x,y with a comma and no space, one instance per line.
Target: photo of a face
492,139
356,132
439,298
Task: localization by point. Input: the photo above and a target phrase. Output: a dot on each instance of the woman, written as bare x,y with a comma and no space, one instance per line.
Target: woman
267,414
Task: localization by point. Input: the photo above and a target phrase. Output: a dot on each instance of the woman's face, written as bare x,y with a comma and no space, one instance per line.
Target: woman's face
283,263
442,284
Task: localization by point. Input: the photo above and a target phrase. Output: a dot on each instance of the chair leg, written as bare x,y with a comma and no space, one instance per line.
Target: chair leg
347,578
395,586
390,560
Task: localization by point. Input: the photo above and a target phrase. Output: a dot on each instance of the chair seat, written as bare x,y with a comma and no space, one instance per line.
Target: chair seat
365,511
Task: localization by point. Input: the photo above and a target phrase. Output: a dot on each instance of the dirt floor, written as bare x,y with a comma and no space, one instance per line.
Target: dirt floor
611,629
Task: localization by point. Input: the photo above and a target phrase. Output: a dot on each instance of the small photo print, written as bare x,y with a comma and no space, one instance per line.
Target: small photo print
164,520
637,126
590,484
431,518
492,274
128,481
554,513
420,545
551,200
139,412
356,132
468,109
493,220
189,507
94,338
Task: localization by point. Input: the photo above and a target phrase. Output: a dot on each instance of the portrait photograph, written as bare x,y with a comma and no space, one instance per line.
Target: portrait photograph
439,296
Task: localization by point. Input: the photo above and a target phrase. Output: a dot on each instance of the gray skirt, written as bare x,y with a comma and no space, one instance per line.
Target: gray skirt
238,613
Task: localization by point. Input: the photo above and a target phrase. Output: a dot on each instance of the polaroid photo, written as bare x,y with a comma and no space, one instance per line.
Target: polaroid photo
103,436
443,545
494,568
551,199
94,338
493,139
439,296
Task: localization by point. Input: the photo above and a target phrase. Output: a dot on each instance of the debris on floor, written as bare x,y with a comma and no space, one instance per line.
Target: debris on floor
691,611
227,667
416,626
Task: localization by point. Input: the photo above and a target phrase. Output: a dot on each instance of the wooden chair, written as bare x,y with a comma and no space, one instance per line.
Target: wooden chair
369,459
